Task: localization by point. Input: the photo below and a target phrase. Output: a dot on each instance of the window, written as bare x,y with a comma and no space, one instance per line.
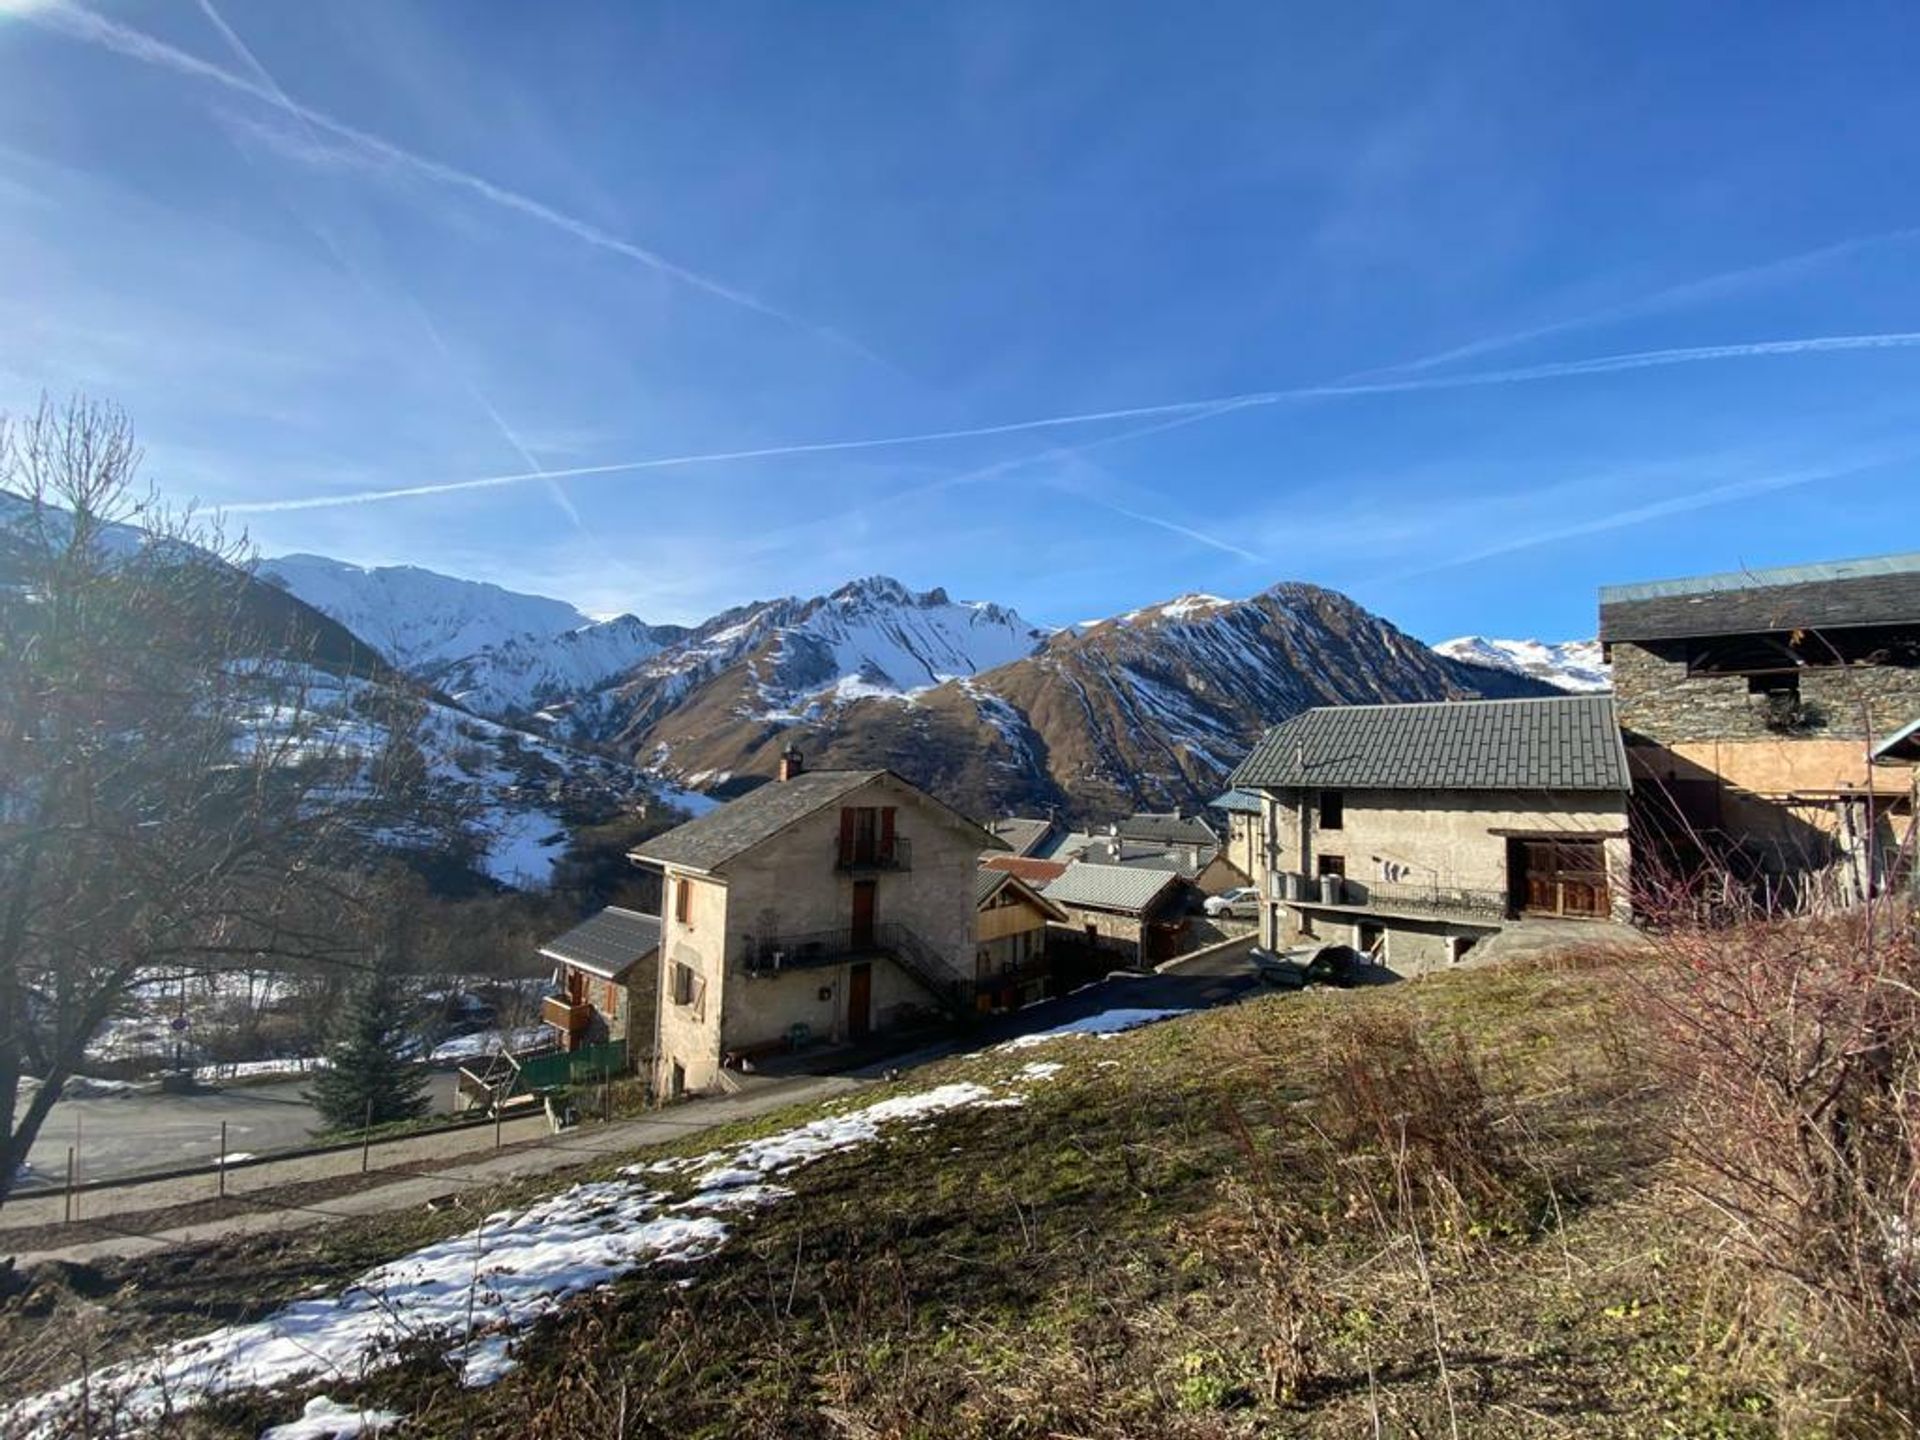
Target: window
1333,810
1782,683
690,989
1330,865
866,835
683,900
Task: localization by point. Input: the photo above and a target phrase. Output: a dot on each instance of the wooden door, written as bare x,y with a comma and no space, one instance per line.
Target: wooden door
859,1000
1559,877
865,894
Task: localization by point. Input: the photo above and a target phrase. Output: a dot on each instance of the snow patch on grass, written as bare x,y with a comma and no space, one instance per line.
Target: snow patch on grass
1105,1023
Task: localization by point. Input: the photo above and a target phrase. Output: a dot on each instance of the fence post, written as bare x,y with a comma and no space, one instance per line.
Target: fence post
223,1159
499,1107
69,1219
366,1137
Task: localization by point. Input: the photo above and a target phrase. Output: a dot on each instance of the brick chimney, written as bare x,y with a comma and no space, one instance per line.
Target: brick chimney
791,762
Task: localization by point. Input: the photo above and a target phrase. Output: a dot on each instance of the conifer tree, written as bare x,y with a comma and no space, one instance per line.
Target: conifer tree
366,1079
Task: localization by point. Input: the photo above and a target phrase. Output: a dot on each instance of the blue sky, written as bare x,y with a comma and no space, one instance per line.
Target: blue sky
1461,309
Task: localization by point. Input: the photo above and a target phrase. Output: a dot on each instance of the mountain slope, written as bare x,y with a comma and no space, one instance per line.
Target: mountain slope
417,618
529,673
747,674
1150,709
1572,665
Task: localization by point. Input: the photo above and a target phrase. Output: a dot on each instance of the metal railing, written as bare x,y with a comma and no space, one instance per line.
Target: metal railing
777,954
1435,898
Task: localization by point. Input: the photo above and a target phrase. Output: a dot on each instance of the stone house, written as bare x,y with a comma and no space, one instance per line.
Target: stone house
1010,939
1752,705
823,907
1136,911
1412,831
606,972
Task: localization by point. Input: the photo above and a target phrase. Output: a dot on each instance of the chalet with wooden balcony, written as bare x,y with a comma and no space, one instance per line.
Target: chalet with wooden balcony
1412,831
1758,706
1011,967
605,975
821,907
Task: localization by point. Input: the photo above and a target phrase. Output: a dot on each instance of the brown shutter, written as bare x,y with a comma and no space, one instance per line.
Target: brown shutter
886,834
682,900
846,835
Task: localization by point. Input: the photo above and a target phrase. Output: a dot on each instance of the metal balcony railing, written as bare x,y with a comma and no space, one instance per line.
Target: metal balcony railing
776,954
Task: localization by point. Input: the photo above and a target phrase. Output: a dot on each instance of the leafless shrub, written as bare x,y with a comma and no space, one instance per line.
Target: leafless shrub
1797,1041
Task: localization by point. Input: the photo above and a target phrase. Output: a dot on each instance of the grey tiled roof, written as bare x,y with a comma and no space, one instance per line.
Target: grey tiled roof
1020,834
721,834
1236,802
609,943
1170,828
1883,590
1565,743
1108,887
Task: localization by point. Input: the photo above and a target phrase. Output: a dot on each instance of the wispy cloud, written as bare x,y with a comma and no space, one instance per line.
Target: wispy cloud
1215,405
374,152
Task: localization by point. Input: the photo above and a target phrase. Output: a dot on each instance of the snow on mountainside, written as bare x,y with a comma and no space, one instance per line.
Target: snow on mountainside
529,673
1572,665
418,619
779,662
520,791
1150,708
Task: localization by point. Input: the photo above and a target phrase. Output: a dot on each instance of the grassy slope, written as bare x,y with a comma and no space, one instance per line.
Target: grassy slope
1176,1236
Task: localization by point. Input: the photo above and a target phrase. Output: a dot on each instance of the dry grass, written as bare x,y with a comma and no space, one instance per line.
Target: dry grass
1450,1207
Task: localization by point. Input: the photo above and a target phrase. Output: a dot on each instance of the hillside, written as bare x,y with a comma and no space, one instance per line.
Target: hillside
1444,1207
1152,708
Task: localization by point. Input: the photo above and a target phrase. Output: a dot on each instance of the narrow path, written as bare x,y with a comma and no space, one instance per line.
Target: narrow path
472,1163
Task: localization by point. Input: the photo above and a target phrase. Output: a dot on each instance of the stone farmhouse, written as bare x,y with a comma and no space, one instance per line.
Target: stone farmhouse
1413,831
823,907
1753,704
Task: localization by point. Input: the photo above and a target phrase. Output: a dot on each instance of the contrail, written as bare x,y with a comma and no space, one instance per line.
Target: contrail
1696,289
79,23
1597,365
278,95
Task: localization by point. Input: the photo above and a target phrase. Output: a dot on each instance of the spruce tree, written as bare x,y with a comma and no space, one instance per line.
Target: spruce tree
365,1074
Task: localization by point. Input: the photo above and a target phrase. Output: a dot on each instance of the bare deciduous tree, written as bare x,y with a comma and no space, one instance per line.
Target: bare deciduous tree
181,779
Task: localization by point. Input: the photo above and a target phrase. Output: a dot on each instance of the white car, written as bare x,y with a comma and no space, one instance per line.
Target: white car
1242,904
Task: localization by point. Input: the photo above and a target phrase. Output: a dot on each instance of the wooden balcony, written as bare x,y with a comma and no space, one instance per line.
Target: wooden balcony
568,1018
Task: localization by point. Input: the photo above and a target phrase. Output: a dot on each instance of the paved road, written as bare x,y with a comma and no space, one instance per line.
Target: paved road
461,1158
461,1170
131,1134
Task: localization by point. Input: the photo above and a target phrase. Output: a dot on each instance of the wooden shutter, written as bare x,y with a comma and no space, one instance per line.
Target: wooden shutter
846,835
886,834
682,900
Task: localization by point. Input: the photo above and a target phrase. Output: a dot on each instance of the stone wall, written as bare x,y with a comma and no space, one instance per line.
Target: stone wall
1658,701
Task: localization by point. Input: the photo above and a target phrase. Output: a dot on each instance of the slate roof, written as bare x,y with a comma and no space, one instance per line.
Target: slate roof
1236,802
1167,828
609,943
1109,887
1565,743
1881,590
1020,834
719,835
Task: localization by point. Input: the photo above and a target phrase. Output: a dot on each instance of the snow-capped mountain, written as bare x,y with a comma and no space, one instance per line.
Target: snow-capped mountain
418,619
750,671
1150,708
1572,665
